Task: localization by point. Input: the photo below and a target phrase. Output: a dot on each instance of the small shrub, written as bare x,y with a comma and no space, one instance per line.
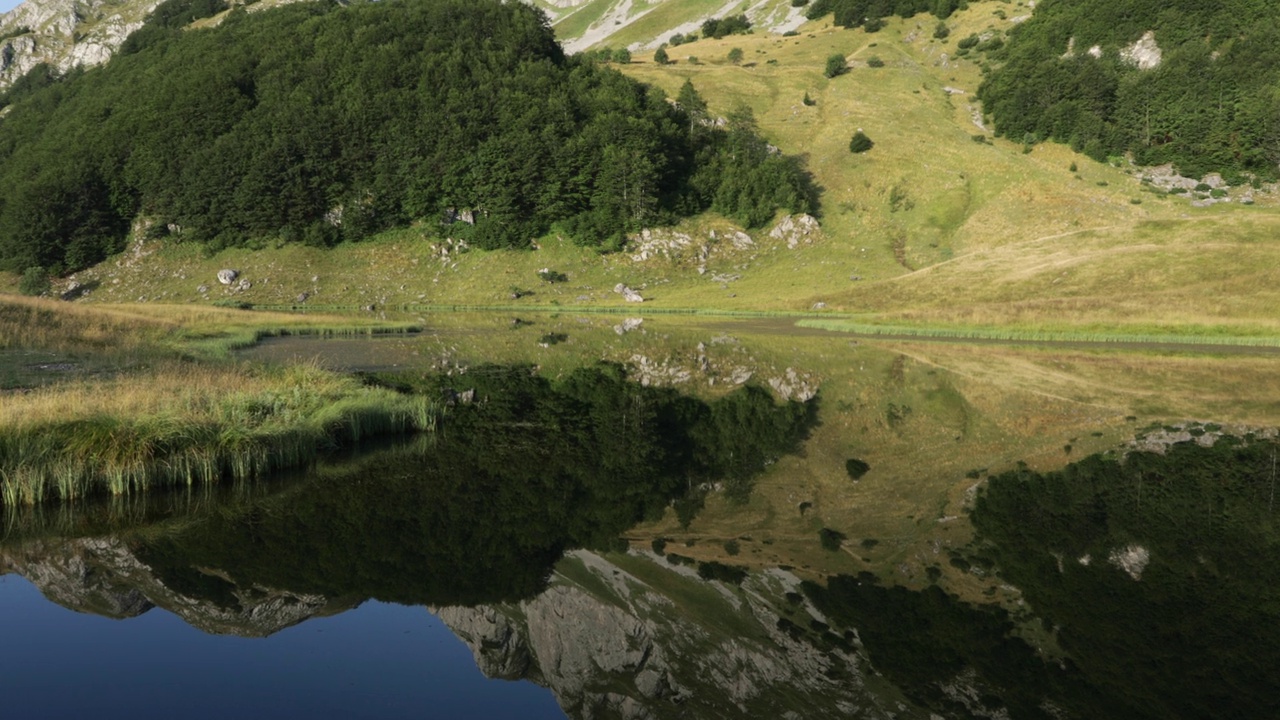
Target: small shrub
1203,187
1217,193
798,3
968,42
732,547
659,545
693,60
869,543
1072,167
724,573
735,56
836,66
831,539
660,55
860,143
552,276
35,281
552,339
875,62
622,56
941,31
874,24
809,101
856,468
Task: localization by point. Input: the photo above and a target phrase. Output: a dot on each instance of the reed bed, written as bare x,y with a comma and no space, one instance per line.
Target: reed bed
187,424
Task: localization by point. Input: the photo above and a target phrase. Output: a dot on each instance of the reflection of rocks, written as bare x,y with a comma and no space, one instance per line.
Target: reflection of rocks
716,368
611,645
1205,435
103,576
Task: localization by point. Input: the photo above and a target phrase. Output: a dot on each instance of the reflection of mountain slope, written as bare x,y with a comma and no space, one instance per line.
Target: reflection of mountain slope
102,576
630,637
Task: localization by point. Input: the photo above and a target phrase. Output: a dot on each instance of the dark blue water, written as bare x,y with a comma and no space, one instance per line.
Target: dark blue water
377,661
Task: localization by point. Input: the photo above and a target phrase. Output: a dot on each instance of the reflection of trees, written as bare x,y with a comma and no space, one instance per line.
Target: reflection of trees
1193,630
529,468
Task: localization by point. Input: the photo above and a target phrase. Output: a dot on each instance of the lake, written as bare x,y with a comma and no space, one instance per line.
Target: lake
668,517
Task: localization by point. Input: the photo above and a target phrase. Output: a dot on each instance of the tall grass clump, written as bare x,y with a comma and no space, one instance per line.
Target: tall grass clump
186,425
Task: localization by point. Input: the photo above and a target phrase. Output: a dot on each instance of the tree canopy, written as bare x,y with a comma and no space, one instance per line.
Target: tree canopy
1210,104
323,123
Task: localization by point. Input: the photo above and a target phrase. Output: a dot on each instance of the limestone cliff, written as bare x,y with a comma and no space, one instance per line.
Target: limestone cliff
66,33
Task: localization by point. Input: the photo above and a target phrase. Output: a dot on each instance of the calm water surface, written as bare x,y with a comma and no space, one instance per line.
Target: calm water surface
680,534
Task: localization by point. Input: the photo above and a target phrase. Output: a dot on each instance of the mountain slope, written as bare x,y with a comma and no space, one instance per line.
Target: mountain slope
83,33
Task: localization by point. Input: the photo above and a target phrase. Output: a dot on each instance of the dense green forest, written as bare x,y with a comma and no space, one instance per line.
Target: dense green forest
322,123
869,14
1212,104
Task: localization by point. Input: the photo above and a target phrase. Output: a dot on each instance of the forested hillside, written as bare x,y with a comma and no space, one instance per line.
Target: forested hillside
320,123
1200,92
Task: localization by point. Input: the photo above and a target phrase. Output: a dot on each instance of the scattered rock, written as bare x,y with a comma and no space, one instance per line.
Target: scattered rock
627,293
302,297
628,325
819,306
202,289
741,240
226,277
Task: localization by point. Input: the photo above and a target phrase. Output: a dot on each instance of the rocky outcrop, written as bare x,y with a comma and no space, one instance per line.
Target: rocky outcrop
1144,52
617,646
796,230
66,33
